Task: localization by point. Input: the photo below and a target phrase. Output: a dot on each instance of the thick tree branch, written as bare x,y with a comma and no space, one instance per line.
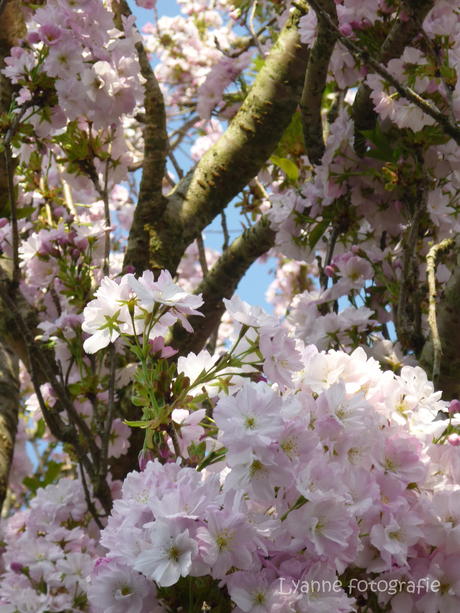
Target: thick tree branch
315,83
234,160
221,282
431,260
9,407
448,325
11,29
151,203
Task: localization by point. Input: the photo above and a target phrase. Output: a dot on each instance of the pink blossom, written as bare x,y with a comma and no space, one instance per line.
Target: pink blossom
171,554
227,541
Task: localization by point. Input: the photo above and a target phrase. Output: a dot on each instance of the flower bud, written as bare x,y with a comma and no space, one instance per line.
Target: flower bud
16,568
454,406
346,29
454,440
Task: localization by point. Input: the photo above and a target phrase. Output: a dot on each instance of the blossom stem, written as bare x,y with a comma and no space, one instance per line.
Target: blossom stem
105,434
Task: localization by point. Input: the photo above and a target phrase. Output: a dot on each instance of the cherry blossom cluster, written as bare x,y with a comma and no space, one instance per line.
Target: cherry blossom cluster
186,47
122,309
93,65
342,477
49,552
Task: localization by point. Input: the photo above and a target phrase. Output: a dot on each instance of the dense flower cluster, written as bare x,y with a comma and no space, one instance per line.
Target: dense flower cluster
289,467
50,551
335,479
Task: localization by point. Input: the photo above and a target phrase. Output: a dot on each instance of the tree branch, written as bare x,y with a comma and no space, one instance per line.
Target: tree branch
9,408
431,261
12,28
399,37
315,83
233,161
449,128
221,282
151,203
448,325
405,320
62,431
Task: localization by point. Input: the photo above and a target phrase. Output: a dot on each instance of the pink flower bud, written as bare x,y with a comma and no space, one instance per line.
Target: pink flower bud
346,29
16,567
129,270
144,459
454,406
399,206
3,222
329,271
454,440
82,243
33,38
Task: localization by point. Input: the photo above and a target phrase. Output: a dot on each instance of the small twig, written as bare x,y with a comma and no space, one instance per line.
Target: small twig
402,323
261,188
35,353
10,177
135,166
177,168
182,132
55,299
171,430
431,262
449,127
258,34
202,255
41,467
330,253
89,502
68,197
447,88
105,198
58,428
225,231
252,30
105,435
169,179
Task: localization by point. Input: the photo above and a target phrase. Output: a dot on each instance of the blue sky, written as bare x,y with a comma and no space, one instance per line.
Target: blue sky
253,286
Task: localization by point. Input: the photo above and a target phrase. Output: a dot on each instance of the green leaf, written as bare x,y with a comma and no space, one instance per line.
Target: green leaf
317,233
291,170
136,424
383,150
41,427
25,212
140,402
52,471
74,388
151,424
